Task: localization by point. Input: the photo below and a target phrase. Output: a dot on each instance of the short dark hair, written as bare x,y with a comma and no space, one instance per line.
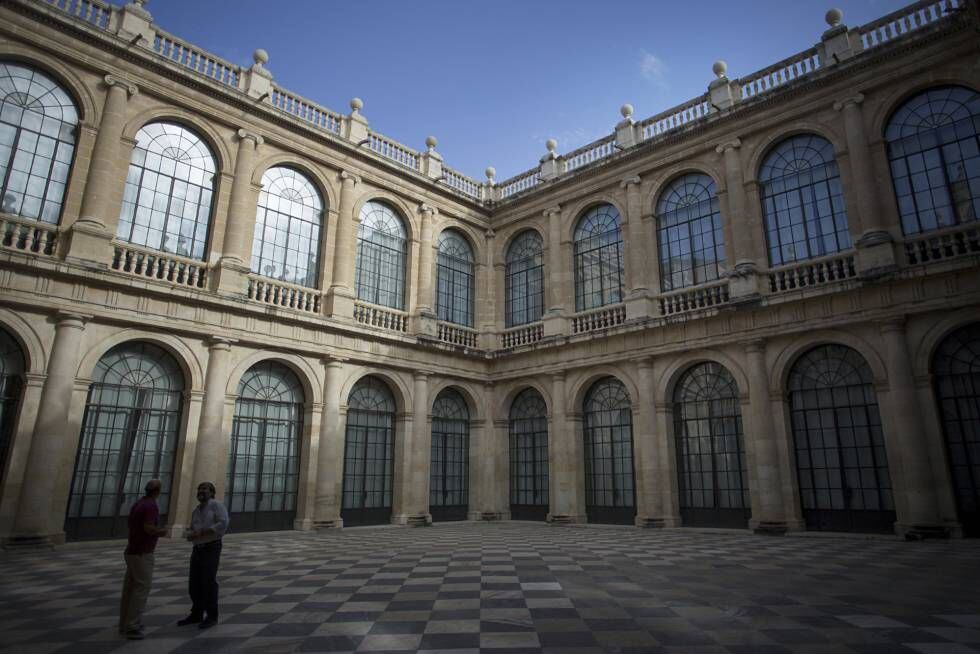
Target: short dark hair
153,486
209,486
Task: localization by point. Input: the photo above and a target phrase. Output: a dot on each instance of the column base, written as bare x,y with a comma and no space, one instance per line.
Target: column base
875,255
88,243
424,324
339,303
768,527
336,523
23,543
412,519
555,324
488,516
638,306
923,531
303,525
649,522
743,283
566,519
231,277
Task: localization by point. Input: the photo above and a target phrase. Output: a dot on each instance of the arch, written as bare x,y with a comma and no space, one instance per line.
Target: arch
518,232
666,177
466,390
34,353
672,373
598,258
517,387
12,367
192,121
312,171
924,351
585,205
790,352
90,111
466,233
691,242
407,213
765,145
894,98
381,268
607,429
455,278
369,460
578,388
298,365
186,358
450,456
527,427
524,279
395,384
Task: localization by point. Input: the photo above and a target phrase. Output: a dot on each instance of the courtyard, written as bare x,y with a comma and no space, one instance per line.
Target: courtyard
514,587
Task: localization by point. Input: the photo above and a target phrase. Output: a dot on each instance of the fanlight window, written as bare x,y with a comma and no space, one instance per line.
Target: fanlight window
525,280
381,248
11,371
934,152
689,235
802,200
454,279
287,228
38,123
598,259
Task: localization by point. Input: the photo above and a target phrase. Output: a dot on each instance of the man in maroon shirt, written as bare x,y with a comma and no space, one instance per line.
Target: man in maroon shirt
143,534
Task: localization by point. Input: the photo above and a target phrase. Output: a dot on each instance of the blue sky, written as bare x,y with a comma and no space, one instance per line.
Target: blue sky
494,81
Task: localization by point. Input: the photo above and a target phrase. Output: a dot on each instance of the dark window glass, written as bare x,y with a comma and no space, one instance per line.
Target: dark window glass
286,243
381,246
11,385
168,195
528,450
689,234
449,470
263,463
598,258
129,436
609,452
802,201
524,277
369,452
454,279
38,122
933,151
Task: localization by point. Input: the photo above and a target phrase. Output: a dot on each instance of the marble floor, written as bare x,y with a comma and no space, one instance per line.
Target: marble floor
513,587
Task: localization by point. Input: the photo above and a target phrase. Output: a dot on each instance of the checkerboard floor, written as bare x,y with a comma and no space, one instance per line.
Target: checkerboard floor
513,587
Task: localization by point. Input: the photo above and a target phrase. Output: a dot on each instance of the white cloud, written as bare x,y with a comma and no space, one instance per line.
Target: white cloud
653,68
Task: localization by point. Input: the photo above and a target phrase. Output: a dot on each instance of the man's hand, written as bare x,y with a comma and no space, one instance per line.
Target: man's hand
192,534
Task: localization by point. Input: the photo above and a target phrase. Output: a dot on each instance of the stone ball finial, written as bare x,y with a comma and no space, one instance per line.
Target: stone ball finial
834,17
490,172
356,104
626,110
260,57
431,142
719,68
551,144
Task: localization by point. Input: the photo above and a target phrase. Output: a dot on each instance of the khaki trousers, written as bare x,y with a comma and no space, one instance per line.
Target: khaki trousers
135,590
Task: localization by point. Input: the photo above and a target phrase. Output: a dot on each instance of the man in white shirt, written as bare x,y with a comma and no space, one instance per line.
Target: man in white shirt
208,524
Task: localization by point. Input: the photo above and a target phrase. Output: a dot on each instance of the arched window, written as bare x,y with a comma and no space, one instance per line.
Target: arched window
369,459
129,436
263,463
956,366
167,199
11,374
802,201
454,279
286,245
529,498
38,122
598,258
524,280
689,235
934,151
381,248
711,467
841,463
450,465
609,491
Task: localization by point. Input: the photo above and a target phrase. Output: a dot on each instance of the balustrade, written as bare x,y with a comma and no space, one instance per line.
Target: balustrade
380,317
305,110
961,241
675,117
692,299
813,272
518,183
269,291
174,49
393,150
461,183
94,12
590,153
905,20
28,236
595,319
780,73
456,335
523,335
162,266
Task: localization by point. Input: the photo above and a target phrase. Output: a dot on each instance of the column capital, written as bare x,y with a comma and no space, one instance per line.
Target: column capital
754,345
558,376
219,343
631,183
130,88
552,210
645,363
427,209
333,360
422,375
71,319
490,234
348,177
893,324
853,100
244,134
729,146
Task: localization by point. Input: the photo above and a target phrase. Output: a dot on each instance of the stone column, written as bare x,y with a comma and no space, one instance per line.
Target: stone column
904,422
876,252
425,321
90,235
566,504
235,262
413,480
637,253
211,453
487,304
330,455
648,509
555,320
768,512
742,236
38,521
340,297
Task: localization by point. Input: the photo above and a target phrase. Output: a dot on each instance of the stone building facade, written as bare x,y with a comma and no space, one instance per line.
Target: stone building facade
759,309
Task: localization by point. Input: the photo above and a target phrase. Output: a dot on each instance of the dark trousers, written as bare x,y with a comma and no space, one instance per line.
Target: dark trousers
203,579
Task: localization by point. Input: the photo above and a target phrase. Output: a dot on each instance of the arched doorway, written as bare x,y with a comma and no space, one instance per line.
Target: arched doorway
450,463
956,366
609,491
263,464
841,462
711,468
368,454
11,386
129,436
529,457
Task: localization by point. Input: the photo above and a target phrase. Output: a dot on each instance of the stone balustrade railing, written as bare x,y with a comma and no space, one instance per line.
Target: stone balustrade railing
708,295
461,183
27,235
596,319
94,12
905,20
456,334
959,241
178,51
381,317
393,150
151,264
675,117
813,272
590,153
523,335
305,110
518,183
780,73
281,294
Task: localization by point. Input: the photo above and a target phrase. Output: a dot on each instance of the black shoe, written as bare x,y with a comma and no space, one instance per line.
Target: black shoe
208,623
191,619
